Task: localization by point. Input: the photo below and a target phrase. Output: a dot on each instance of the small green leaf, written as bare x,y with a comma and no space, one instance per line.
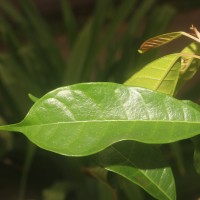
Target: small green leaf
33,98
159,75
143,165
86,118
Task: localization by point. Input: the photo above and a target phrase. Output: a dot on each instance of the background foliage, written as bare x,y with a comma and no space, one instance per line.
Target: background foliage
102,48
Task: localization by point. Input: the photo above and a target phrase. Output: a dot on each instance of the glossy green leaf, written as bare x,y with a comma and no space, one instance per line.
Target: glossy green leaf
159,75
179,73
173,76
83,119
142,164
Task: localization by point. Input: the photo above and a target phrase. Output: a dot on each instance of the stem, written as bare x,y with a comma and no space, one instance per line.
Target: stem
178,157
189,55
31,148
191,36
11,127
196,32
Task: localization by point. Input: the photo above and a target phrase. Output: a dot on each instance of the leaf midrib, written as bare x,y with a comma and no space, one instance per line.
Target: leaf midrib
18,126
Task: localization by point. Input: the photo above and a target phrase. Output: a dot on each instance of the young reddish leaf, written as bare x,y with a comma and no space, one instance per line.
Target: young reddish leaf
168,37
159,41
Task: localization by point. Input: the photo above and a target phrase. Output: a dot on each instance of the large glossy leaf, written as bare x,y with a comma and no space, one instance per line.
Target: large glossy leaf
86,118
142,164
160,75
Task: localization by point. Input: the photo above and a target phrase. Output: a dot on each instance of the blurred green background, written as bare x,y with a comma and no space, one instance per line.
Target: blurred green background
45,44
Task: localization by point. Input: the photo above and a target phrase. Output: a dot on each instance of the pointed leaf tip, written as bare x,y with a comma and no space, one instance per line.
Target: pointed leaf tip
140,51
33,98
159,40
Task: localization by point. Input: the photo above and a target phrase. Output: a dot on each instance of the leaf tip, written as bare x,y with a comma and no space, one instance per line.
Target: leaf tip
32,98
141,51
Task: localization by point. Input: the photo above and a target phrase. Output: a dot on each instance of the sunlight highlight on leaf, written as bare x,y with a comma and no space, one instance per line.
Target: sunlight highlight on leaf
84,119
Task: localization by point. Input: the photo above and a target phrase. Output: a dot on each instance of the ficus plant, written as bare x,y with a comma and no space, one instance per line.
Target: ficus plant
123,126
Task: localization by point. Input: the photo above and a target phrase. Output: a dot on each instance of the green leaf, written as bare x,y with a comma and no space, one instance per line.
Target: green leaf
85,118
141,164
33,98
159,75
